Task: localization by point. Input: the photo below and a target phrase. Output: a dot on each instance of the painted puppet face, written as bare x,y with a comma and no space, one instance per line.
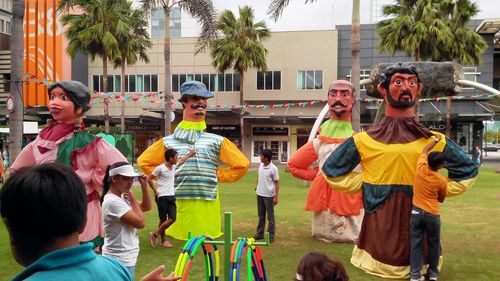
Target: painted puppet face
403,90
62,108
195,109
341,100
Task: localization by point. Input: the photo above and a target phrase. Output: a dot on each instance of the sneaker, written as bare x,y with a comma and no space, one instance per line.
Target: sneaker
422,278
257,237
153,238
433,279
166,244
271,240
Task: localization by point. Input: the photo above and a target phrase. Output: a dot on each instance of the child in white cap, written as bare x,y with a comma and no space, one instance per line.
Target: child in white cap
123,214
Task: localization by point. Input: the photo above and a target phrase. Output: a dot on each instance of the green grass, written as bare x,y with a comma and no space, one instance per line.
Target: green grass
470,233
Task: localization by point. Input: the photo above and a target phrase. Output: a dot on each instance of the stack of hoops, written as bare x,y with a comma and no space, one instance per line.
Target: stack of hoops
255,261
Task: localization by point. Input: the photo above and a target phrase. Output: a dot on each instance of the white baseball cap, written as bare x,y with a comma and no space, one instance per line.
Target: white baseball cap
125,170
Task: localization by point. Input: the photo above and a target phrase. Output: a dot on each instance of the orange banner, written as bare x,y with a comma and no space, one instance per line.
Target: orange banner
44,51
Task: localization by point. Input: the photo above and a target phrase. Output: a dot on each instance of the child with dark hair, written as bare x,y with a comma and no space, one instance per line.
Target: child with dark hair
44,208
123,214
317,266
267,190
429,189
165,195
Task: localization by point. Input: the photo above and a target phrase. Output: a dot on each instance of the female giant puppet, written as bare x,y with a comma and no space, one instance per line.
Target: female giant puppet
388,153
337,215
198,205
65,142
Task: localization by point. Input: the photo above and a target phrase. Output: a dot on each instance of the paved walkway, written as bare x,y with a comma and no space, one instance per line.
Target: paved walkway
491,159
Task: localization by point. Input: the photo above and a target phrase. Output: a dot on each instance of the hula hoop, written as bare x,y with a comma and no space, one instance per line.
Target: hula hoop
189,251
255,263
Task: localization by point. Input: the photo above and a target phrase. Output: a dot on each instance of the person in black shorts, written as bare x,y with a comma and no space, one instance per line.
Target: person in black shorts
165,194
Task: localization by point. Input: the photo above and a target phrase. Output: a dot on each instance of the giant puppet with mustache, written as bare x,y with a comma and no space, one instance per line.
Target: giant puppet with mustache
388,153
337,215
65,141
196,181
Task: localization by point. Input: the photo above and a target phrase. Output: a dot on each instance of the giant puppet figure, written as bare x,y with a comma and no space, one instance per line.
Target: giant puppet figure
196,192
337,215
388,153
65,142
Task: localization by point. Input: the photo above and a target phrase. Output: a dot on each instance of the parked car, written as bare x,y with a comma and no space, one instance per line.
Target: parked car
490,147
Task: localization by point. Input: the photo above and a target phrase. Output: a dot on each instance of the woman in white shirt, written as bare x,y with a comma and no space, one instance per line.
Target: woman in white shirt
123,214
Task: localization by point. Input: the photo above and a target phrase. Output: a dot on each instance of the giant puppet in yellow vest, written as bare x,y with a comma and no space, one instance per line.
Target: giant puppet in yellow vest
337,215
388,153
196,181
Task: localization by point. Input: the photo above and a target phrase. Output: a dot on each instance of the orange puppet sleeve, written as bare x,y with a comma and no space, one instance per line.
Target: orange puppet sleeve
299,162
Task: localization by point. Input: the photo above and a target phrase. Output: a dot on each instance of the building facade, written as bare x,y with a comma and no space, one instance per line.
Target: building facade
282,103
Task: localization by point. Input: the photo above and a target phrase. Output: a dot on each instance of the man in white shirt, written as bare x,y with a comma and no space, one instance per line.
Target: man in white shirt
165,195
268,186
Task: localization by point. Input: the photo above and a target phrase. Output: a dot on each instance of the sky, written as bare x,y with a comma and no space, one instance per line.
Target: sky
319,15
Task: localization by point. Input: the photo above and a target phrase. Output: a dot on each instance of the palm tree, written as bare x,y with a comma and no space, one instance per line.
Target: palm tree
415,28
16,78
432,29
94,33
133,45
203,12
240,48
276,8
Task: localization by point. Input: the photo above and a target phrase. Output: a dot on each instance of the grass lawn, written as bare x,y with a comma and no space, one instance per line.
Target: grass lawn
470,233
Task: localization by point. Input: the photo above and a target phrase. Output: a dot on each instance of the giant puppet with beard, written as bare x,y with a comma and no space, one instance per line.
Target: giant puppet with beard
388,153
337,215
196,181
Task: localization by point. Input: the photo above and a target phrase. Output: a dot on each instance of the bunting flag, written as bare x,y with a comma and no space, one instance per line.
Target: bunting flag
158,98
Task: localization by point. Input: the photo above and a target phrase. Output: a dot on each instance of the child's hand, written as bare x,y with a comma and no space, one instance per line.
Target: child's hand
191,152
142,179
157,275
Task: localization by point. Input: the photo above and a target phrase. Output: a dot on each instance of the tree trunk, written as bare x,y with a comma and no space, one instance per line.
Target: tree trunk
355,50
448,116
417,104
168,77
15,137
242,111
105,86
122,88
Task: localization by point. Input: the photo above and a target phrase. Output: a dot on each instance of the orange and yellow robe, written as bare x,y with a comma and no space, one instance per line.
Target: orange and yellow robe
336,215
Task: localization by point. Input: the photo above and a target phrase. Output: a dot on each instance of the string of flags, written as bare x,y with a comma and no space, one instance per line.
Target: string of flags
158,98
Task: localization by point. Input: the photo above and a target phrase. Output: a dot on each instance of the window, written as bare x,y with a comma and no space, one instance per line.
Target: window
175,83
270,80
309,79
154,83
147,83
158,20
117,82
131,83
363,74
139,83
214,82
96,86
229,82
111,83
471,74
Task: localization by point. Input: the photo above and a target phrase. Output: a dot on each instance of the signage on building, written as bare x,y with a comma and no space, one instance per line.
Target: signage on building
439,126
228,131
137,128
270,131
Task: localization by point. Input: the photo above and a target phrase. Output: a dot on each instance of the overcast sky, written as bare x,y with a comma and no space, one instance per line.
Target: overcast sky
320,15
